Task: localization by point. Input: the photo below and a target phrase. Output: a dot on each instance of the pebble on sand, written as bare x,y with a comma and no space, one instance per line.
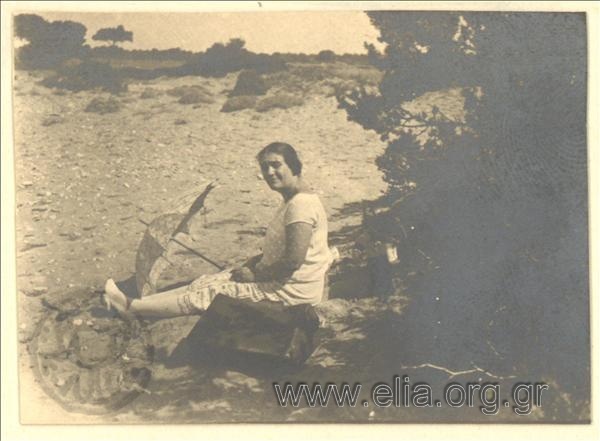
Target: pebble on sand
52,119
36,291
30,245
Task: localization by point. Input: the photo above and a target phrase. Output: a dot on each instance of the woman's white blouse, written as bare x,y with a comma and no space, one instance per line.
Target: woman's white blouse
306,283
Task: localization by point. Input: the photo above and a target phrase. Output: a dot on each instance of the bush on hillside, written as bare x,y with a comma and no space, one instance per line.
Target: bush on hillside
235,103
148,93
249,82
103,105
326,55
195,96
191,94
222,59
279,101
472,201
85,74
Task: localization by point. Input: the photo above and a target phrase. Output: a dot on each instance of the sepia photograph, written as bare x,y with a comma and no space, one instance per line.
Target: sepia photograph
362,215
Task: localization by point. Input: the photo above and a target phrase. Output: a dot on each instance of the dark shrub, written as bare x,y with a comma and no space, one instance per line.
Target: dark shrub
149,93
49,43
326,56
103,105
86,75
249,82
473,203
221,59
195,96
236,103
180,91
191,94
279,101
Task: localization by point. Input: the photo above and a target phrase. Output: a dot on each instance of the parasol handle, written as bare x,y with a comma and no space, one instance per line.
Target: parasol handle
199,254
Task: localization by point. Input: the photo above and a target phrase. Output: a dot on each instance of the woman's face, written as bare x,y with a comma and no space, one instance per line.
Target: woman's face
276,172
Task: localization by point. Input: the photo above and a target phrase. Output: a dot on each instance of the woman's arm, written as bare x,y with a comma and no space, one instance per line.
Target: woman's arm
297,241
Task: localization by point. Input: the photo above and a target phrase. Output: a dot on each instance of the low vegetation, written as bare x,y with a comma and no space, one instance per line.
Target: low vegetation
103,105
278,101
249,82
195,94
236,103
149,93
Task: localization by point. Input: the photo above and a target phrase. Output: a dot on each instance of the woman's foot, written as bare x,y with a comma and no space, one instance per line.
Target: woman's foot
115,298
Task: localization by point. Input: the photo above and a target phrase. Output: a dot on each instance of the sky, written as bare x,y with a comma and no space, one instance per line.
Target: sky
266,32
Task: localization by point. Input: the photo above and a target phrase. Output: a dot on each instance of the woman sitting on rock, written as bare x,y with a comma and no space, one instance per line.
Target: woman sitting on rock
291,268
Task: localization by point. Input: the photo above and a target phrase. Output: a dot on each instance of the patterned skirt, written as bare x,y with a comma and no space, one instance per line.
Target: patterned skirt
201,292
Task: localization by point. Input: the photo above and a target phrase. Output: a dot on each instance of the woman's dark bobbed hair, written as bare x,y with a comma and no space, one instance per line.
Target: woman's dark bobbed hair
287,151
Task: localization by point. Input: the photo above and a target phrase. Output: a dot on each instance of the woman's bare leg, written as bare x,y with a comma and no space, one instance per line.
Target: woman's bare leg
173,303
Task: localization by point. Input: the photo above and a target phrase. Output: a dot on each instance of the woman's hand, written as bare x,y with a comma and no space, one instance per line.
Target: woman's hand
251,263
242,275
